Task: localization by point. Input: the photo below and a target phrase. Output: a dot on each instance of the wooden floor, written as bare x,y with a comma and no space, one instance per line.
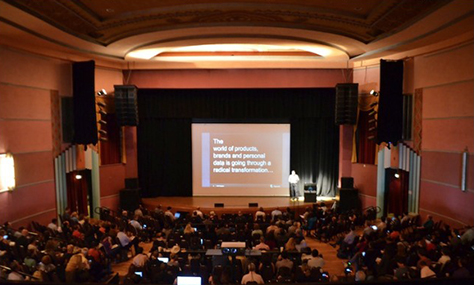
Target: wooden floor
231,204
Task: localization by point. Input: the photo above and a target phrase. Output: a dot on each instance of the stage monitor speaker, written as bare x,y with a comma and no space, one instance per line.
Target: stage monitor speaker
348,200
253,205
129,199
126,106
83,94
347,95
131,183
218,205
347,182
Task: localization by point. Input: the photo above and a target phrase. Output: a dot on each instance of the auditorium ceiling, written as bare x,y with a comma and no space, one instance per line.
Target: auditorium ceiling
326,32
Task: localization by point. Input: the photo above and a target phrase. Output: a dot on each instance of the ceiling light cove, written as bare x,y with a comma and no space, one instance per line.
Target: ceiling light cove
237,52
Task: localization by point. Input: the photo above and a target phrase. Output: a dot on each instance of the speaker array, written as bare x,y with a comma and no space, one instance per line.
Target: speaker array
346,103
126,105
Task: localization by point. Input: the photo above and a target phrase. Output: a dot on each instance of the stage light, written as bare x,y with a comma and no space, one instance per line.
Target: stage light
372,129
102,122
102,104
372,113
104,139
102,92
374,104
397,175
372,121
104,132
7,172
78,176
371,137
102,112
374,93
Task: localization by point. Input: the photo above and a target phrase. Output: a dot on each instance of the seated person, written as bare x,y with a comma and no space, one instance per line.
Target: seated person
252,276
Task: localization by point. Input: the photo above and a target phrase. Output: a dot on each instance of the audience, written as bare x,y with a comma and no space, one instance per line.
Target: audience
80,250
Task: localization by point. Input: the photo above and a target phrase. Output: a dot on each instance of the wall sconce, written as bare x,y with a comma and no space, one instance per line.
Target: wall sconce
465,155
374,93
7,172
102,92
78,176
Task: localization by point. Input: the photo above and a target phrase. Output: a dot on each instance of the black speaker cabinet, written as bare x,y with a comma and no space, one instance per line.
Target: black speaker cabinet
131,183
129,199
347,182
83,94
347,95
218,205
348,200
253,205
126,105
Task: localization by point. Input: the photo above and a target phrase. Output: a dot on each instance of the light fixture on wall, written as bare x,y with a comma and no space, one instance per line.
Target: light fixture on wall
102,92
374,93
78,176
397,175
465,155
7,172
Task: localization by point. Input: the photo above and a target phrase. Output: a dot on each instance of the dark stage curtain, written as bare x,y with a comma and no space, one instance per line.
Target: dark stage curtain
315,153
164,157
164,132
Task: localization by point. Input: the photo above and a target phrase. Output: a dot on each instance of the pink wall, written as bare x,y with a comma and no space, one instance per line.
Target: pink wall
236,78
26,82
447,79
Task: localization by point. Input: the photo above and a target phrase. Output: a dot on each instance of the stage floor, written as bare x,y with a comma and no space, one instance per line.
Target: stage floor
231,204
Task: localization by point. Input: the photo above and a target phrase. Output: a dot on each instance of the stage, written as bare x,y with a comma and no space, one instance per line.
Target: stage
231,204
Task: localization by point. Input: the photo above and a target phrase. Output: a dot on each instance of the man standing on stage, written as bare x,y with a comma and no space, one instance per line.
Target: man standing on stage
294,179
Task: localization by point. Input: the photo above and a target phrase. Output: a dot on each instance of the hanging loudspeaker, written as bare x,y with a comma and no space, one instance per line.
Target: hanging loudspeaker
346,103
126,105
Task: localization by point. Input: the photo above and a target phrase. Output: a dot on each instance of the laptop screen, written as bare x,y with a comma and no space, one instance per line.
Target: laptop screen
164,259
189,280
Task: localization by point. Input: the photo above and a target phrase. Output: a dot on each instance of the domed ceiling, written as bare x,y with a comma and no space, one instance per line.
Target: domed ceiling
318,30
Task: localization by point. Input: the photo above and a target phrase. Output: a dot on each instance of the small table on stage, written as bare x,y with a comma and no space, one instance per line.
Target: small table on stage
310,196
